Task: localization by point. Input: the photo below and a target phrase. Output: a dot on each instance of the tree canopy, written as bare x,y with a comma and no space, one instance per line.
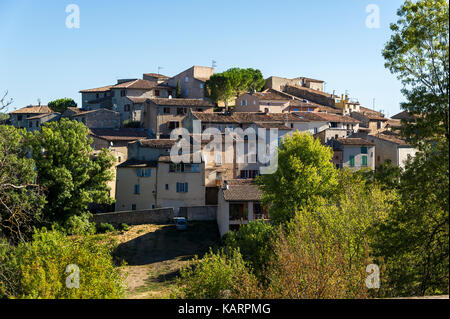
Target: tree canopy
61,105
233,82
71,179
304,176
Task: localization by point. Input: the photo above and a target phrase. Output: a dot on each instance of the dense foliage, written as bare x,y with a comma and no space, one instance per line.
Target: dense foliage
38,269
305,176
71,178
20,198
61,105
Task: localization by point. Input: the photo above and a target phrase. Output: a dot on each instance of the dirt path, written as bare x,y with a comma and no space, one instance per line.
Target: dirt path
155,253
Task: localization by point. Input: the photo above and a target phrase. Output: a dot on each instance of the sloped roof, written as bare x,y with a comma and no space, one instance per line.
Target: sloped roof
122,134
246,117
272,94
97,90
181,102
156,75
326,117
354,141
33,109
136,84
243,190
138,163
93,111
157,143
404,115
392,137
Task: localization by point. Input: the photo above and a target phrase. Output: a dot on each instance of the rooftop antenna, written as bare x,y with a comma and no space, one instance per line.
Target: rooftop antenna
159,69
325,86
373,104
213,64
39,102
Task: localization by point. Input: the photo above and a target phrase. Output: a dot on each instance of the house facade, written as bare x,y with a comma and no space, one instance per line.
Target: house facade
191,81
19,118
354,153
239,202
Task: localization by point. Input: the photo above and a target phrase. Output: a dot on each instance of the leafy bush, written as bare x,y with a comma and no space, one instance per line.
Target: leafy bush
217,275
105,228
131,124
255,242
9,277
80,225
41,266
124,227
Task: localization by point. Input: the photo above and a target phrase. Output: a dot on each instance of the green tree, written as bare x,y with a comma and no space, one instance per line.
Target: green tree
418,53
62,152
217,276
255,242
38,269
415,235
305,175
20,198
414,240
256,82
61,105
218,88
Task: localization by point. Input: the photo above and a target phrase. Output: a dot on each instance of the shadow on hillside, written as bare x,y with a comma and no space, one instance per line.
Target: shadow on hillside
168,243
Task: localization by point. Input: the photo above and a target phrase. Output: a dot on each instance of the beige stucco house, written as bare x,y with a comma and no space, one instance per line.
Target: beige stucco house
354,153
192,81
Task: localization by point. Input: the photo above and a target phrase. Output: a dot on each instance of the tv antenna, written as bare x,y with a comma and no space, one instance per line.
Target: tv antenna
159,69
213,64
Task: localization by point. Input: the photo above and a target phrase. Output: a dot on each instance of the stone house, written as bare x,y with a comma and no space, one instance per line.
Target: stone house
100,118
192,81
149,179
18,118
162,115
279,83
238,204
354,153
317,122
34,123
374,121
390,146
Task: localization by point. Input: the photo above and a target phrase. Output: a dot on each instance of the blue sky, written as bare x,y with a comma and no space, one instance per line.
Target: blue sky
327,39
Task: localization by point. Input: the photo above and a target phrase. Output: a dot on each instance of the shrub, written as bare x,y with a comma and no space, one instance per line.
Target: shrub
124,227
218,276
105,228
255,242
80,225
41,267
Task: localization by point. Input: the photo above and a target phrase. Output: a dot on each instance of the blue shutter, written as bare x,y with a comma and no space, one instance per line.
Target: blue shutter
178,187
139,172
185,187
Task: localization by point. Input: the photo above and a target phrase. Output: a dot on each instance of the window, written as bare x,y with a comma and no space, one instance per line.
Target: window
352,161
169,93
127,108
315,130
364,161
19,117
180,111
201,85
379,125
173,125
147,172
182,187
187,92
167,187
96,95
37,123
167,110
112,93
137,190
123,92
243,102
184,168
133,206
186,79
156,92
363,150
30,124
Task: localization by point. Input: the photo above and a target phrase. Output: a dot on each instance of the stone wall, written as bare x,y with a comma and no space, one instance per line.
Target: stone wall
149,216
199,213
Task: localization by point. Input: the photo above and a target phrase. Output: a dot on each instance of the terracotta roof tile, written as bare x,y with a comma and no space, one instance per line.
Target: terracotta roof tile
245,191
33,109
181,102
97,90
354,141
122,134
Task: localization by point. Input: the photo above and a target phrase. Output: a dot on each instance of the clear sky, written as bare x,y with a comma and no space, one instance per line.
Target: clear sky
40,58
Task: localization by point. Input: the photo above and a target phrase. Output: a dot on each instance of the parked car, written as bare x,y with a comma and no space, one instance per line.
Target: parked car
181,223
